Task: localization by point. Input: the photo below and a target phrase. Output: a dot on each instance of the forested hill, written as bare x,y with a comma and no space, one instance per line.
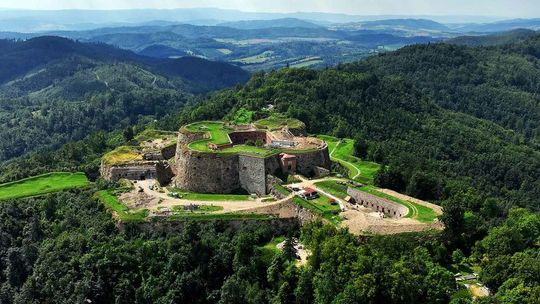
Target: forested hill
500,83
54,90
517,35
17,58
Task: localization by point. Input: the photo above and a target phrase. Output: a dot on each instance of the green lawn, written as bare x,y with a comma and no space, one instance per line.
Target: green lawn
113,203
276,122
218,134
43,184
210,197
416,211
334,188
342,151
322,207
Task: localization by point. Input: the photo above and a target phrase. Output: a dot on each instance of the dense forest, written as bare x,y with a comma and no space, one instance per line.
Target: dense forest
65,248
483,167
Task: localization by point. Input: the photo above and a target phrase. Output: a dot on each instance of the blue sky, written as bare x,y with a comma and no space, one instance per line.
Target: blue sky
503,8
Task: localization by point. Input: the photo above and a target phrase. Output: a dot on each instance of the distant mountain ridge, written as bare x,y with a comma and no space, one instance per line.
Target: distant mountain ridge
513,36
260,24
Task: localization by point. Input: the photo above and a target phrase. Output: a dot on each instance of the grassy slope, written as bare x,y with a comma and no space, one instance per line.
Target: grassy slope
113,203
121,154
333,188
342,152
42,184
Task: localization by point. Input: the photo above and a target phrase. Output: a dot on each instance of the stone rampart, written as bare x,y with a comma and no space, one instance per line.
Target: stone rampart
376,203
307,162
206,172
131,171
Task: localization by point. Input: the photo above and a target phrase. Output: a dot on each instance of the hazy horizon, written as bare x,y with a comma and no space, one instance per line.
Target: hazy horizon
481,8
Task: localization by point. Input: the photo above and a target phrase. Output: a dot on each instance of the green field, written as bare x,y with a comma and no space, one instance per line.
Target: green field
42,184
342,151
112,202
209,196
322,207
416,211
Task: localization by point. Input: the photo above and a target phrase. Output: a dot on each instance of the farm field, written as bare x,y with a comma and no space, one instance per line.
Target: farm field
43,184
341,151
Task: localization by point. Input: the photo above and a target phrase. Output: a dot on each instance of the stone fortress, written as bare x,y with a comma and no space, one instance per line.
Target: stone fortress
233,164
217,157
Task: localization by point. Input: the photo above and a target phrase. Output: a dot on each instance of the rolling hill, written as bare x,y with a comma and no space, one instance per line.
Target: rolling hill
261,24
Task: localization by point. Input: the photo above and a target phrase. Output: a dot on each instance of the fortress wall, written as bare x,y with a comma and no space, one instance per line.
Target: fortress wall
307,163
185,137
271,165
137,171
378,204
206,173
252,174
168,152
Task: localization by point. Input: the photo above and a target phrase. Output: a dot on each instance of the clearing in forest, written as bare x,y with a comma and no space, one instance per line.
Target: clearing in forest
42,184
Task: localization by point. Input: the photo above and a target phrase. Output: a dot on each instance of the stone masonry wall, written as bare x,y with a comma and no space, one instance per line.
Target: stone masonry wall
377,204
307,162
206,173
252,174
135,171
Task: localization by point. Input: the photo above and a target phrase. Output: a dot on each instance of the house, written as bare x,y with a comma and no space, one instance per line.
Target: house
309,193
